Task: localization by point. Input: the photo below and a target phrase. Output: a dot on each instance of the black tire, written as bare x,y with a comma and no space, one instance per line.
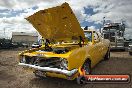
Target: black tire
87,69
107,55
81,80
130,53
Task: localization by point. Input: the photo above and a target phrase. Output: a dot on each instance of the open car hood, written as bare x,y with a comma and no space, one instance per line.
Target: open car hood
57,23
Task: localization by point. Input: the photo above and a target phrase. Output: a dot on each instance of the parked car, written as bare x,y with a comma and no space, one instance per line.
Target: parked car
130,48
7,44
69,52
36,45
25,45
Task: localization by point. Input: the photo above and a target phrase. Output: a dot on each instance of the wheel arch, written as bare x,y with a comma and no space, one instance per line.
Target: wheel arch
86,59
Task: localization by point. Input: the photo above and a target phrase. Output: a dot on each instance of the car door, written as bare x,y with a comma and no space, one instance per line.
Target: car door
98,47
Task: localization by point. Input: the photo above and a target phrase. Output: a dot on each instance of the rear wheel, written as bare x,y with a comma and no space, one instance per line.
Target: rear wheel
107,55
130,53
86,69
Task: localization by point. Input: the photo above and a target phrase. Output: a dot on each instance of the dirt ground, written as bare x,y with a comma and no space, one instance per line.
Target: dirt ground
13,76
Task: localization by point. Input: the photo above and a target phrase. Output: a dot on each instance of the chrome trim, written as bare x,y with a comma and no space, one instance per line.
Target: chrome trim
48,69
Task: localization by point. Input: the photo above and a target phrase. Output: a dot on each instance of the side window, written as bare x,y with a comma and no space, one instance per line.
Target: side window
88,36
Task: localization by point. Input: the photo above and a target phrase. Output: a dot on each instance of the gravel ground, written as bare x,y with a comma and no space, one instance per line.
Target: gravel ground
13,76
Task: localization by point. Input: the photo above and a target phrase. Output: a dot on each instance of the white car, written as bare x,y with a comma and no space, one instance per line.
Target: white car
36,45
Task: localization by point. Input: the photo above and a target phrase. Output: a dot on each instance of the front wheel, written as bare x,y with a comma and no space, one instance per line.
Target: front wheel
81,80
86,69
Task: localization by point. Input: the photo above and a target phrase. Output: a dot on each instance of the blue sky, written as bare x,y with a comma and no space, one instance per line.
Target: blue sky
14,13
88,12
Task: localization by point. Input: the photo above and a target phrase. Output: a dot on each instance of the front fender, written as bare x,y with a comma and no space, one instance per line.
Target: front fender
77,58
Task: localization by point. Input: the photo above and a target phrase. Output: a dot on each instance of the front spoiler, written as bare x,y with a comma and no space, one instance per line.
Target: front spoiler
48,69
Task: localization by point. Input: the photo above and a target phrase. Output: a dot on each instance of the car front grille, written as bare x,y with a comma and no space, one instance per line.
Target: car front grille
53,62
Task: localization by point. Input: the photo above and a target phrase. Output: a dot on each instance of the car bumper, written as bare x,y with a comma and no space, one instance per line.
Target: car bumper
48,69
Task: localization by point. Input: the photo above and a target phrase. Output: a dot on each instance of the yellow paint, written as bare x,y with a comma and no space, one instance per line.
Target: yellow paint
77,56
57,23
50,24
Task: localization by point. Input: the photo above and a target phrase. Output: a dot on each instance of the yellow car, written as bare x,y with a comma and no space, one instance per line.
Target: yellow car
69,52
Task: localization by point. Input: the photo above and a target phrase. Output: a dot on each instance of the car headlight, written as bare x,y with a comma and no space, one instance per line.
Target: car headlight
22,59
64,64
